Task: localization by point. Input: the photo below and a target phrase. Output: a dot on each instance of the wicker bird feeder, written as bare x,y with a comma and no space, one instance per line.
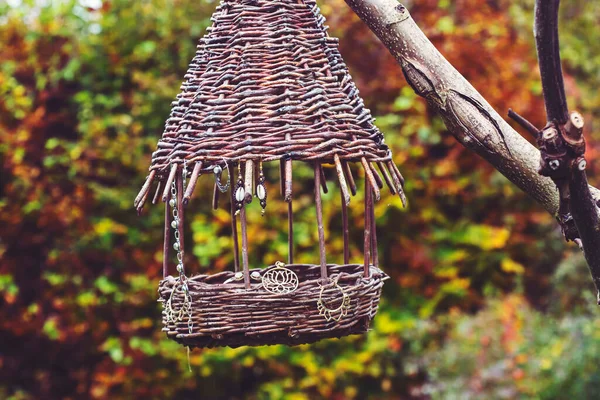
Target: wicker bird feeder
268,85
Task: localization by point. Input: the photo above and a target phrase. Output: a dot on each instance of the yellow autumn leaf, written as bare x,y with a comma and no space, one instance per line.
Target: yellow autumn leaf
510,266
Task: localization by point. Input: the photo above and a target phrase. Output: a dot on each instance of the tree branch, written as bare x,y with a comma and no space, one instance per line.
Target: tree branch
472,121
562,144
545,30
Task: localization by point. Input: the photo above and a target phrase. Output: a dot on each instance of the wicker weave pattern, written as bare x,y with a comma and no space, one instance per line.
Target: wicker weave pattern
229,315
268,83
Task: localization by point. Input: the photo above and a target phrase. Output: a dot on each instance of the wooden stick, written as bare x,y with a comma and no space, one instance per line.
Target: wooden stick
288,180
387,177
371,178
376,176
343,185
398,173
349,177
368,226
144,191
320,228
166,239
140,206
245,248
290,233
179,205
169,183
282,177
192,184
345,230
374,249
157,193
248,181
323,180
398,181
234,234
215,199
524,123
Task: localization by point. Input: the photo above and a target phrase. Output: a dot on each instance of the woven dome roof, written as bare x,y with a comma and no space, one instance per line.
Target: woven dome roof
268,83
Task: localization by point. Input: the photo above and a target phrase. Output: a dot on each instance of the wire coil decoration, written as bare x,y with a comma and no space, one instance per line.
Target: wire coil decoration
335,314
277,280
280,280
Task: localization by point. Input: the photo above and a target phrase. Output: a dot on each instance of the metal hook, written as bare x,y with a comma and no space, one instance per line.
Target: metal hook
218,171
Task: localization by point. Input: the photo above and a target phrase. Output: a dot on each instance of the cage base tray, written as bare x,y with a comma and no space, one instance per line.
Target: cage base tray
222,311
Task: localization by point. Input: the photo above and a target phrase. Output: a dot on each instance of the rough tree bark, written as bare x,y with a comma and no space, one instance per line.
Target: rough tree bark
467,115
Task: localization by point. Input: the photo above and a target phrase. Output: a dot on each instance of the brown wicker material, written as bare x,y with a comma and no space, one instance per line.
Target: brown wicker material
267,83
267,69
229,314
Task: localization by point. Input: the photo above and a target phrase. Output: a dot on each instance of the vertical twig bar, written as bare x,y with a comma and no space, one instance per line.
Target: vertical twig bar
288,180
323,180
170,180
290,215
376,176
245,247
368,226
320,228
157,193
215,199
374,249
234,233
282,177
371,178
166,239
349,177
345,230
248,180
192,184
179,206
343,185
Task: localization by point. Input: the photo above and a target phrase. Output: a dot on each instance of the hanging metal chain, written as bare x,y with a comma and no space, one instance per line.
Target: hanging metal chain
186,308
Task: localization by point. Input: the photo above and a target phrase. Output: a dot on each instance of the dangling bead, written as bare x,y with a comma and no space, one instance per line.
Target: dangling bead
240,192
261,190
172,202
176,246
174,224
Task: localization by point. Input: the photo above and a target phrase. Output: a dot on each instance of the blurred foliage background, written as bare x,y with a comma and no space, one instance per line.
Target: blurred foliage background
485,301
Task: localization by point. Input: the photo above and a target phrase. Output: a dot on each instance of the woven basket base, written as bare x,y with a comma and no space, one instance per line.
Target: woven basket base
228,314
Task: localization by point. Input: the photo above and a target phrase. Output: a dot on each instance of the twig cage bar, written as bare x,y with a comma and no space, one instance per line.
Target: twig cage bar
268,84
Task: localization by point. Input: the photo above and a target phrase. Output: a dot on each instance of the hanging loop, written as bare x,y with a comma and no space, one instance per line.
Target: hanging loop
218,170
333,314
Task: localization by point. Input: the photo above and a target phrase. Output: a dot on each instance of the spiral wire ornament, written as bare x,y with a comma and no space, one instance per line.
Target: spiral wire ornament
335,314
